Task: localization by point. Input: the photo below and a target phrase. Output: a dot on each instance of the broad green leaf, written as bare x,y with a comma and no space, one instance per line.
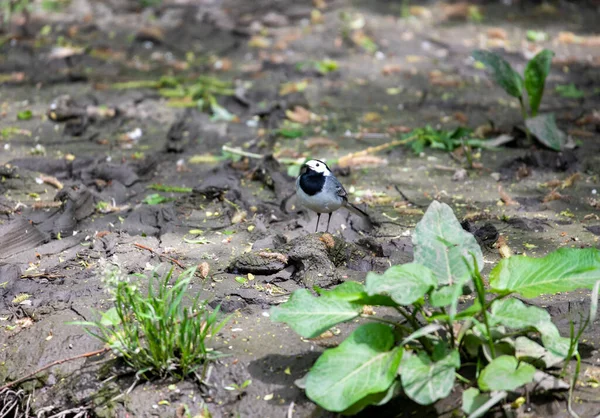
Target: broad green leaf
505,373
355,292
405,283
563,270
347,291
421,332
531,352
25,115
536,71
514,314
442,245
110,317
482,409
545,130
365,363
425,381
310,316
472,400
502,72
376,399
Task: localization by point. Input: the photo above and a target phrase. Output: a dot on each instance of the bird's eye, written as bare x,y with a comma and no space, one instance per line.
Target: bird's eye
317,164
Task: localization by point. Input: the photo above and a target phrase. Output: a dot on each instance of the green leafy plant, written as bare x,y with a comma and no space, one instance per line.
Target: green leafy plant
429,344
156,333
543,126
323,67
446,140
569,91
156,199
202,93
240,389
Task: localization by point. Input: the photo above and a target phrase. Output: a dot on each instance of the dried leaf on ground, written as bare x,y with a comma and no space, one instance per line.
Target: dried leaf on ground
506,198
553,195
461,117
552,184
390,69
53,181
62,52
497,33
503,248
571,38
301,115
590,119
362,161
420,11
203,269
258,41
371,117
320,142
293,87
437,78
570,181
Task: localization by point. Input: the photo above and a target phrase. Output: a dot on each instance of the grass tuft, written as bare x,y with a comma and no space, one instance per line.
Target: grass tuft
156,333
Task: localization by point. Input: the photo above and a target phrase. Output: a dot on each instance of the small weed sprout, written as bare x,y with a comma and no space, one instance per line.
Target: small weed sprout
499,342
240,389
543,126
157,333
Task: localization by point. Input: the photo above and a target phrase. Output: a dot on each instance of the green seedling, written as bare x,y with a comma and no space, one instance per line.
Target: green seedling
159,332
171,189
569,91
240,389
201,94
543,126
430,344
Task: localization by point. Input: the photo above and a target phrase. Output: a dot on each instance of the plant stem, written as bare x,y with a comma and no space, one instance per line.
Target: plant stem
524,115
462,378
574,338
450,329
479,286
386,321
573,383
410,318
416,326
379,319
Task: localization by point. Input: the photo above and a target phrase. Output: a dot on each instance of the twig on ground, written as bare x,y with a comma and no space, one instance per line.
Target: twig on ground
342,162
172,260
54,363
239,151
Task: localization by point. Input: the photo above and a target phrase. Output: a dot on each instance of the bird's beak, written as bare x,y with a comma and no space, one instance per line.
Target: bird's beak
303,169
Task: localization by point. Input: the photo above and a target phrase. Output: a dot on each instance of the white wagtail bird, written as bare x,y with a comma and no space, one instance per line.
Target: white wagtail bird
319,190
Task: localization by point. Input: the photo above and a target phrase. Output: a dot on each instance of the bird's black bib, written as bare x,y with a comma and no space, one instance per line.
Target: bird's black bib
312,183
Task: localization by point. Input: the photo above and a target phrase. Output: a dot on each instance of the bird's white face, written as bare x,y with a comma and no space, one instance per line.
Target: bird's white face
318,166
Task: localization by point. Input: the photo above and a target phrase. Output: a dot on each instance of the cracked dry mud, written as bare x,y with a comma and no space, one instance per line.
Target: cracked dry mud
54,242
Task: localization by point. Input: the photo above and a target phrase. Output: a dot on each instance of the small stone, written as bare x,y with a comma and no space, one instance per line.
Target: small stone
495,176
275,20
460,175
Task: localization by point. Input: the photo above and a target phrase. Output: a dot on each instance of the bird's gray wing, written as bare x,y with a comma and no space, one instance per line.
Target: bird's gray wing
339,189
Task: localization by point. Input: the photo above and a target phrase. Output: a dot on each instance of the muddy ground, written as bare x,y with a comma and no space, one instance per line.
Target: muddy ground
109,145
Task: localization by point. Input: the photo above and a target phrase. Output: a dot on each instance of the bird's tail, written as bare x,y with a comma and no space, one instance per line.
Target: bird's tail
355,209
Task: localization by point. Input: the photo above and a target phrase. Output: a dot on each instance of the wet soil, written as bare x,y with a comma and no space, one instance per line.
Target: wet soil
75,176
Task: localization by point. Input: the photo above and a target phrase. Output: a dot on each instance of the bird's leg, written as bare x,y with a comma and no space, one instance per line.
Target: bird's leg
329,220
318,219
